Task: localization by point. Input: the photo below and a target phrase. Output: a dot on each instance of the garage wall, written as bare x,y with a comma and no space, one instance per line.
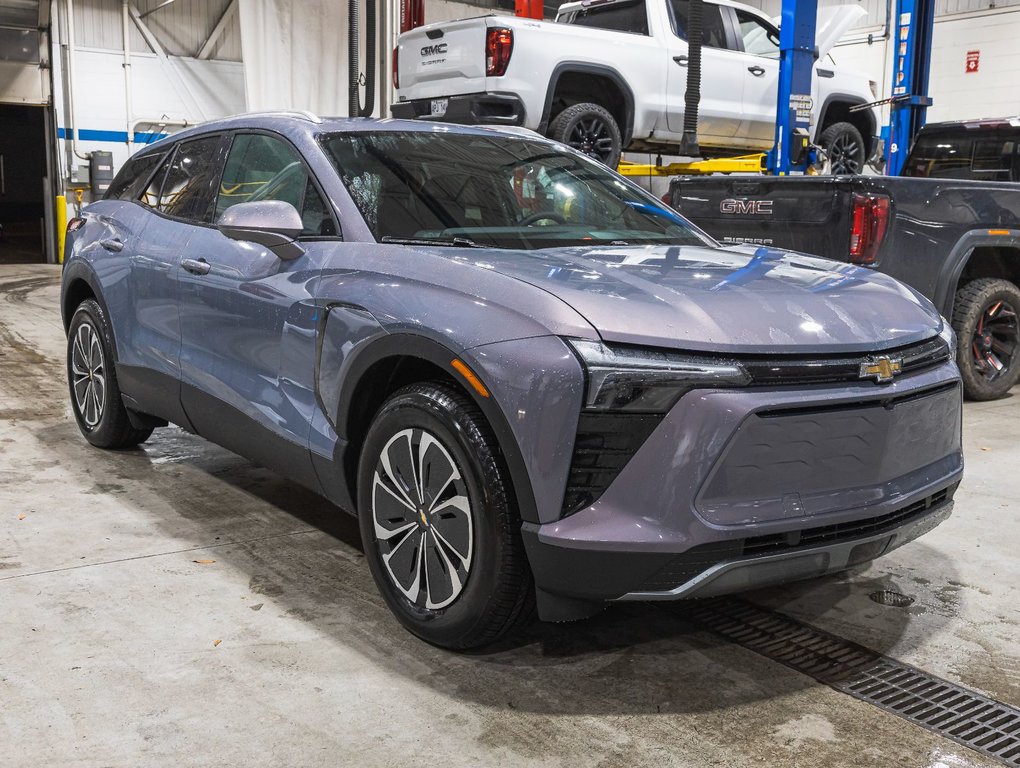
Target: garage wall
960,26
166,90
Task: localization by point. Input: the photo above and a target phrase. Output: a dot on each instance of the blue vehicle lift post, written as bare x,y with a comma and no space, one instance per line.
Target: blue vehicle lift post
797,54
912,63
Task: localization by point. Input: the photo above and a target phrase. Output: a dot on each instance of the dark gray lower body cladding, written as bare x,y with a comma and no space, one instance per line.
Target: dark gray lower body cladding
950,710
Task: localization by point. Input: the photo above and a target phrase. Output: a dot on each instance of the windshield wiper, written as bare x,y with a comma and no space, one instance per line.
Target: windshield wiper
457,242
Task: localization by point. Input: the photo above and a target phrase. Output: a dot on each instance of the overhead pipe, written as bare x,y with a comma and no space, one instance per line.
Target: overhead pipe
125,20
353,58
73,125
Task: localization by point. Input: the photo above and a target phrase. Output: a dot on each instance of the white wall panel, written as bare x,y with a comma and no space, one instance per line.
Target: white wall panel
180,27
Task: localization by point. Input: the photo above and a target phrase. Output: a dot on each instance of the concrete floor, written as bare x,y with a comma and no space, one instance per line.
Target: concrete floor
177,605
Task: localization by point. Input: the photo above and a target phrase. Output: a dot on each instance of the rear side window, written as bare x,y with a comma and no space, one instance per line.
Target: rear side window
261,167
134,174
987,156
714,31
187,185
628,16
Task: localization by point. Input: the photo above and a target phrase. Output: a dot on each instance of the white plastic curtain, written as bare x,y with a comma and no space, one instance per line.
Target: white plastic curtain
295,54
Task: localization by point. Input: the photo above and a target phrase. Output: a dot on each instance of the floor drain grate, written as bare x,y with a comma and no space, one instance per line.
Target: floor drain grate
950,710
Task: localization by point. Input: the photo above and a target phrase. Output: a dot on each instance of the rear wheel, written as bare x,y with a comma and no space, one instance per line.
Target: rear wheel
92,380
844,146
591,129
440,531
986,324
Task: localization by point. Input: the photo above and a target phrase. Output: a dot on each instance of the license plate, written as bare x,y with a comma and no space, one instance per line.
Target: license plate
439,107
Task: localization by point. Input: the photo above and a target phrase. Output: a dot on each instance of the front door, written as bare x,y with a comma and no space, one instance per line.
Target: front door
248,316
720,110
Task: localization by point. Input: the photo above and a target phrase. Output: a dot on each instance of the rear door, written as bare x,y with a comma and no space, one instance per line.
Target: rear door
721,108
759,59
248,317
149,370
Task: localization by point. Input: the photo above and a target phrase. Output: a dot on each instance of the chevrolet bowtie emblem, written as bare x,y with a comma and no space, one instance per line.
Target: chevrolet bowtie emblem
881,369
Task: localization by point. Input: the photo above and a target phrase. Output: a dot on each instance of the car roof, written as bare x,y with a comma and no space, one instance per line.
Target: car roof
291,123
579,4
985,123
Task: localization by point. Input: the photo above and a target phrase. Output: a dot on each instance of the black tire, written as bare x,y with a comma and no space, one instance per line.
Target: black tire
496,591
590,129
845,148
103,419
987,329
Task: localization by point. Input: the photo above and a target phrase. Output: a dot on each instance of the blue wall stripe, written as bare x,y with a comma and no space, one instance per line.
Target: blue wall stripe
89,134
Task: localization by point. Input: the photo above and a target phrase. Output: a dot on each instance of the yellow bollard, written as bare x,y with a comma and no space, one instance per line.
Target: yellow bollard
61,220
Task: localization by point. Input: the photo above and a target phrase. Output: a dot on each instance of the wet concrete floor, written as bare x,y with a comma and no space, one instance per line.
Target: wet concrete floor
176,605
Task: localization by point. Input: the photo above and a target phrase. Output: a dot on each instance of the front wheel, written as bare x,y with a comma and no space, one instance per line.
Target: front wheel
591,129
439,527
985,321
844,146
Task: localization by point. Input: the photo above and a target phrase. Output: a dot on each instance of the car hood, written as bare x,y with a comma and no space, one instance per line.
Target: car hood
832,23
723,299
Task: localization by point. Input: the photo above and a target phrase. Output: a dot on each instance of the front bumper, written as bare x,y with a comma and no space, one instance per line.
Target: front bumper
466,109
737,489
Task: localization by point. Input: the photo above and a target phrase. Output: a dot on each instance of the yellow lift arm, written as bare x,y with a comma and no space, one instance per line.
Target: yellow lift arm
742,164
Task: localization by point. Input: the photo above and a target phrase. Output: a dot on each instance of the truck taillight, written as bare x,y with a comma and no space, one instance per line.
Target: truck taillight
75,224
870,220
396,62
499,44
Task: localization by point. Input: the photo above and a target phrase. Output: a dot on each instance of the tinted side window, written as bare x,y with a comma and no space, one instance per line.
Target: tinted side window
620,17
150,196
128,184
759,38
261,167
714,32
990,156
187,191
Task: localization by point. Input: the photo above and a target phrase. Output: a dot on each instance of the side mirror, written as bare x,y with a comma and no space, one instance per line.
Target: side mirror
273,223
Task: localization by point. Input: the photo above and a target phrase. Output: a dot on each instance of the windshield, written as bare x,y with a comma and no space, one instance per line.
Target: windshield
495,191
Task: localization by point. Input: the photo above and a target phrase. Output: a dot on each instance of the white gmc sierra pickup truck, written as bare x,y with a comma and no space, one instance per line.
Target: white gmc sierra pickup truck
610,75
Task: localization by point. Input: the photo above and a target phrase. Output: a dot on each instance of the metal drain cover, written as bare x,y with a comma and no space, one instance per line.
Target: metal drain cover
950,710
888,597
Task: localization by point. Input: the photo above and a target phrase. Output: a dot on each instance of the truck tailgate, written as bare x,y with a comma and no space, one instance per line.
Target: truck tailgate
810,214
442,59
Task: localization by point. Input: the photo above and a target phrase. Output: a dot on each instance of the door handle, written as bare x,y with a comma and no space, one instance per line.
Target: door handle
681,60
756,70
113,245
197,266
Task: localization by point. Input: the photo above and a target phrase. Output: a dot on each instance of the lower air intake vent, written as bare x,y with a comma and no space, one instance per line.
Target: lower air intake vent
605,443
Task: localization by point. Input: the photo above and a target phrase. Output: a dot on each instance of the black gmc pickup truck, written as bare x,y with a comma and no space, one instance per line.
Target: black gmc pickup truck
950,228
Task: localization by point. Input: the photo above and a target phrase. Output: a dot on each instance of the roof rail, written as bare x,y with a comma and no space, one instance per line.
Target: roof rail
303,114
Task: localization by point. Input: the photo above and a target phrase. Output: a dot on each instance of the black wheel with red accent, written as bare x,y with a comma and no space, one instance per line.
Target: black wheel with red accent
986,323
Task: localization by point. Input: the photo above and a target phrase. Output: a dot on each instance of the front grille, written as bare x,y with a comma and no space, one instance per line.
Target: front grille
699,559
771,370
605,442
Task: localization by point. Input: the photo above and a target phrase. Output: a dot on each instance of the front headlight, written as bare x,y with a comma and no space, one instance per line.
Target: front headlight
948,335
636,379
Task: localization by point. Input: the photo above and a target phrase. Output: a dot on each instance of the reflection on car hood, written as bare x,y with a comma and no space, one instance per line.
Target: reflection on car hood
723,299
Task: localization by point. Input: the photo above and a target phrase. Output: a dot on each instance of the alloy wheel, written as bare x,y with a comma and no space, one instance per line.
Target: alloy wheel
843,154
422,519
592,137
88,371
995,340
